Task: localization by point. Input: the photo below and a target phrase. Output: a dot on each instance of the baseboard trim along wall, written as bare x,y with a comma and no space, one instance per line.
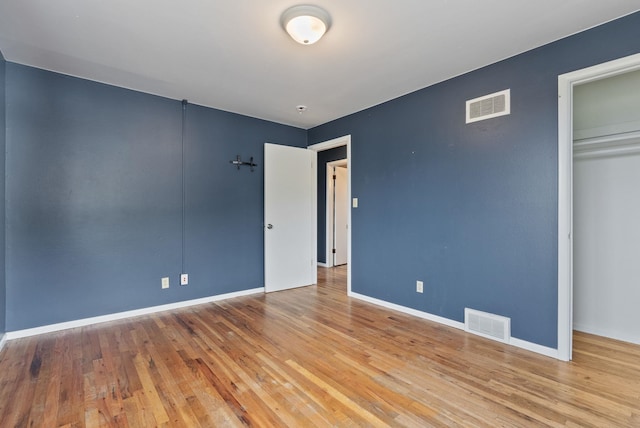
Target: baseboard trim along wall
539,349
324,265
409,311
616,335
523,344
10,335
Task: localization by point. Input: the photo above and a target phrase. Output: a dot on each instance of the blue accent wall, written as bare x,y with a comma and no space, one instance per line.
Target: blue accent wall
325,157
469,209
95,199
225,215
3,304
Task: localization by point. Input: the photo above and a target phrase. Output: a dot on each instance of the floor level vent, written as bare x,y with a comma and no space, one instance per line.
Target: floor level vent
487,325
488,106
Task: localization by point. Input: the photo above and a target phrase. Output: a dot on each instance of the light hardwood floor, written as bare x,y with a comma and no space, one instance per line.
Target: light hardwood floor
307,357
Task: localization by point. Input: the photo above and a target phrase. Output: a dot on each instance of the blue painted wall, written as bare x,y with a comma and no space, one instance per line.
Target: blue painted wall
224,222
95,191
469,209
325,157
3,305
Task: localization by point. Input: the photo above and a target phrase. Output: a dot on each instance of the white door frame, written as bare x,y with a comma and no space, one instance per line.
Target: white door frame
330,144
566,83
329,257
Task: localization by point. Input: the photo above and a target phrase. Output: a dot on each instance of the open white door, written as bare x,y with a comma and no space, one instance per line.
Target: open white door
289,217
341,211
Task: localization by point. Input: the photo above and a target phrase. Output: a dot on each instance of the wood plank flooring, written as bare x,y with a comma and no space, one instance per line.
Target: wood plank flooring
307,357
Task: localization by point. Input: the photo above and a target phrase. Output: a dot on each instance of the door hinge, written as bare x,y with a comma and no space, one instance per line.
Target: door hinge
333,251
335,176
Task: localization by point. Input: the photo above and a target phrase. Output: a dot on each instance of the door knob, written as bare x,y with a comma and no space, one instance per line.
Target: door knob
269,226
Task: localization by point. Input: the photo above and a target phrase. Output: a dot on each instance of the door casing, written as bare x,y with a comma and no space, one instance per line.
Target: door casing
329,212
566,83
340,212
330,144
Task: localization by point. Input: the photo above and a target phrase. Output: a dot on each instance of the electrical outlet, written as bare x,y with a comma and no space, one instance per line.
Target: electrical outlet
184,279
165,282
419,286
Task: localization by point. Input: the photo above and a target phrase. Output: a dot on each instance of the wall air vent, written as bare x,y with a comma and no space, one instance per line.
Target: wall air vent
488,106
487,325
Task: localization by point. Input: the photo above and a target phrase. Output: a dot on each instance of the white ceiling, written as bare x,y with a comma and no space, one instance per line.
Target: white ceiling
233,55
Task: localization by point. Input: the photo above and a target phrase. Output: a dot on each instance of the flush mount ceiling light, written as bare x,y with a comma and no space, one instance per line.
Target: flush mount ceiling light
306,24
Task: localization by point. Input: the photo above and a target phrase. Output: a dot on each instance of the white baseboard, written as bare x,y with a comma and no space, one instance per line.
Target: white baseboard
534,347
410,311
323,264
529,346
611,334
10,335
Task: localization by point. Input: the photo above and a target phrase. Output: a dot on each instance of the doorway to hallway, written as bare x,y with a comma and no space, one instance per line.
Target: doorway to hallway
337,226
344,144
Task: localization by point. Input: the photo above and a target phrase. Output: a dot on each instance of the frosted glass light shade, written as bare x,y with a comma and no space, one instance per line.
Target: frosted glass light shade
305,24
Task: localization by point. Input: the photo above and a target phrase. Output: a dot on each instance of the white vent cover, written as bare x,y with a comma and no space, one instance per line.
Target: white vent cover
488,106
487,325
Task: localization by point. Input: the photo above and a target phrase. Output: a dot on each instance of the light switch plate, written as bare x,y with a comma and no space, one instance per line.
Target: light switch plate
165,282
355,203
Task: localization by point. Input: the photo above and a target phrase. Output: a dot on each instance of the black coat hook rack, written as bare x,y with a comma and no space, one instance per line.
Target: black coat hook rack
237,162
